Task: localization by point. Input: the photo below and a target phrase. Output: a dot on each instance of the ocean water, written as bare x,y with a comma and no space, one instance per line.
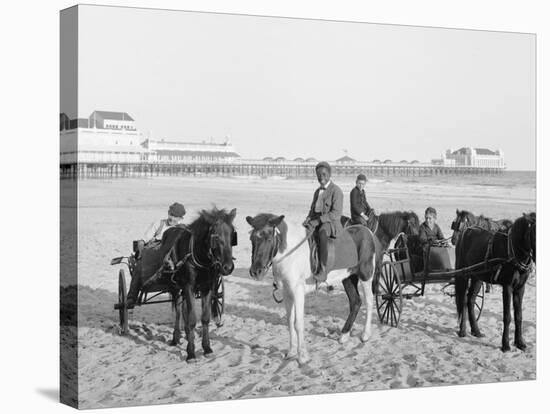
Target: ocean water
508,179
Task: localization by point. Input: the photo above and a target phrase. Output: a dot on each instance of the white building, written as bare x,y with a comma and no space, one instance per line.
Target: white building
176,151
474,157
104,137
112,137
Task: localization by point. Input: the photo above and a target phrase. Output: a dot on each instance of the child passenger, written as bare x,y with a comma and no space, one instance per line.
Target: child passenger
429,231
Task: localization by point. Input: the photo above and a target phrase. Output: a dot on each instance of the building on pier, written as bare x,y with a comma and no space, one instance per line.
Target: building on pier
109,144
473,157
180,152
104,137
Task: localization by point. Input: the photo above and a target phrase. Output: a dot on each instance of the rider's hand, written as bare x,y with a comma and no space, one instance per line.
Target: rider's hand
313,223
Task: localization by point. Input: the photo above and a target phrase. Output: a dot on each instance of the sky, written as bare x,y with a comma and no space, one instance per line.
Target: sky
301,88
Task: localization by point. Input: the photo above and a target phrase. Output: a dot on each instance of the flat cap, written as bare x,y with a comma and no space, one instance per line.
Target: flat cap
176,210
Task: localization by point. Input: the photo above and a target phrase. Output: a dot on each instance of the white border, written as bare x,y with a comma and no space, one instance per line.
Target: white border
30,107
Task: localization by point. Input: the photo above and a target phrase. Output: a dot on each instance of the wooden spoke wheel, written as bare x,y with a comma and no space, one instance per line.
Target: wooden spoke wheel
122,303
218,301
389,301
479,302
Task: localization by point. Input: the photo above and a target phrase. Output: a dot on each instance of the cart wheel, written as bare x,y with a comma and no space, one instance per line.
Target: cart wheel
218,302
122,303
389,301
480,300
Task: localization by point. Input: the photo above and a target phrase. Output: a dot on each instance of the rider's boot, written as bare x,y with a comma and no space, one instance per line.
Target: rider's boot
321,275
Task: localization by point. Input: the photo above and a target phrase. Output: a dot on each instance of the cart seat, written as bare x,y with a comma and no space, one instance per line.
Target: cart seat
441,259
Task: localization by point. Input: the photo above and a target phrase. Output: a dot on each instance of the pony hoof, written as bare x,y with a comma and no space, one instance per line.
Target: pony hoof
505,348
461,334
478,334
207,350
191,358
365,338
174,342
344,338
522,346
291,355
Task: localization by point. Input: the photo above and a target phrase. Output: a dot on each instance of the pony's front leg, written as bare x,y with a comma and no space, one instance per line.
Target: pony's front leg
299,299
206,301
176,336
190,320
369,303
288,299
506,317
475,286
518,318
461,292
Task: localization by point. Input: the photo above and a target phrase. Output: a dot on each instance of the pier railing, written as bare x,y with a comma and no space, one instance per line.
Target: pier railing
258,168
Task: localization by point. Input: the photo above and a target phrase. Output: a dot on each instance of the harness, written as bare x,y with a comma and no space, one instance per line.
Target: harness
179,263
521,266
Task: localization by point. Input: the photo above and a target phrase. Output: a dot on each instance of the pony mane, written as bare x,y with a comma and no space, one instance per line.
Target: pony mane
465,213
209,217
392,221
261,220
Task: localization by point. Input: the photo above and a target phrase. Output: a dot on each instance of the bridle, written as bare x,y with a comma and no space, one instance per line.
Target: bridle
522,265
214,262
274,248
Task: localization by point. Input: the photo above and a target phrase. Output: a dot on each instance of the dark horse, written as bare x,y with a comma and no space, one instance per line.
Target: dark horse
464,219
517,249
202,253
386,227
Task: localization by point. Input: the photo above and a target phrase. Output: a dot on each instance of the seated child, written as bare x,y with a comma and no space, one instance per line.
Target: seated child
429,231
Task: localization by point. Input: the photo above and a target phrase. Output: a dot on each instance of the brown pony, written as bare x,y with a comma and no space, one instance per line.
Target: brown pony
517,249
201,255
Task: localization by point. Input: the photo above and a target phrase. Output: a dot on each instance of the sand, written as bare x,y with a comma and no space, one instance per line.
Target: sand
142,368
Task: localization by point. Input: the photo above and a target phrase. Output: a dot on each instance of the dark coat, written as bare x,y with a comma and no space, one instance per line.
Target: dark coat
332,207
428,235
358,204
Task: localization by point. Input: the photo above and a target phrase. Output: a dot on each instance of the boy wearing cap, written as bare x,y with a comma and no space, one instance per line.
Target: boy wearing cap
359,206
325,214
152,241
175,216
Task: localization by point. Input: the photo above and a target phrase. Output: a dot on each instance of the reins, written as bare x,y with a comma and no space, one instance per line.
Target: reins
274,251
279,260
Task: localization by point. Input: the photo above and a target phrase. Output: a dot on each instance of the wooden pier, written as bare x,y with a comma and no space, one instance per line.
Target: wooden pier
260,168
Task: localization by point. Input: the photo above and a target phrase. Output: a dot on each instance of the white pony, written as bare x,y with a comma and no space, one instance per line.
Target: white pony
285,248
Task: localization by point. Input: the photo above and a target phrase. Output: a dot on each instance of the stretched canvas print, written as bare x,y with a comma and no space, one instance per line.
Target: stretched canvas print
259,207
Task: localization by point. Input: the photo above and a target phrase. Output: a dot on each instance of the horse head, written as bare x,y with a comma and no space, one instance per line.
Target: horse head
215,232
268,237
413,223
529,234
397,222
463,220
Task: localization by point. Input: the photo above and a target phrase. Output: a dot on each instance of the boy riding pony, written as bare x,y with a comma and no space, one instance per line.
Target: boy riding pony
324,215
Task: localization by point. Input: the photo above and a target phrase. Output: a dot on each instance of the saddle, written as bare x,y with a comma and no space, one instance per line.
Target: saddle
342,253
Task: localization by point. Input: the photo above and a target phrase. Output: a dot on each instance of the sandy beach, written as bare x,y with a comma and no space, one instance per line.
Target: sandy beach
248,349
